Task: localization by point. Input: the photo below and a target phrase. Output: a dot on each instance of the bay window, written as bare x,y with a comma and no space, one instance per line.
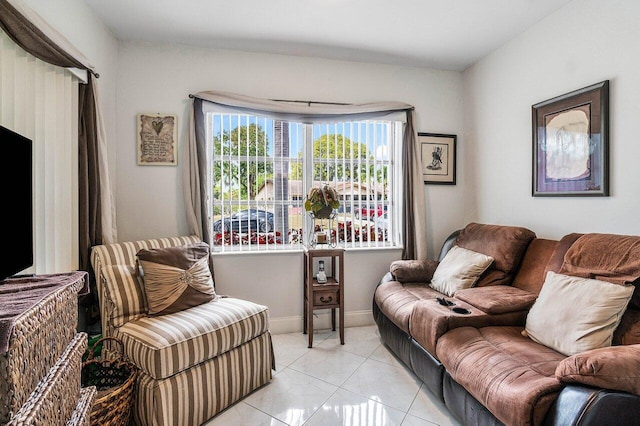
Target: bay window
249,164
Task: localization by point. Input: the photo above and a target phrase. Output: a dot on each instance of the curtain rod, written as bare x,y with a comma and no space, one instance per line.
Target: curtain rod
309,102
300,102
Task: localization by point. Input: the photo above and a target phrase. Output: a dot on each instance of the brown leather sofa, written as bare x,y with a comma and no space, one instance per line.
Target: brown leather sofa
481,364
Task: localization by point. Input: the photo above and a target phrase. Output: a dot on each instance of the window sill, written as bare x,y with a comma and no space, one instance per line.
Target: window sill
289,249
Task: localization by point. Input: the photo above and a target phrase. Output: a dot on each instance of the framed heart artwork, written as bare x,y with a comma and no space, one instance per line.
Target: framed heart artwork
157,137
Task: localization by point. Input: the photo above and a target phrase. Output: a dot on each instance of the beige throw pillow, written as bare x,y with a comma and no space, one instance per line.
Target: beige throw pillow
176,278
573,315
459,269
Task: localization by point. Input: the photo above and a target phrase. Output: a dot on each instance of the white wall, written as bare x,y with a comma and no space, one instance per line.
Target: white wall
585,42
158,78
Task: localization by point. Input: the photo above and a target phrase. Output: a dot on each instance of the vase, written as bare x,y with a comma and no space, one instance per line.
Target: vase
323,213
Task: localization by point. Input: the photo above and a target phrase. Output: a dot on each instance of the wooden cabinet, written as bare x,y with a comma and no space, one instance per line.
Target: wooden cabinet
329,295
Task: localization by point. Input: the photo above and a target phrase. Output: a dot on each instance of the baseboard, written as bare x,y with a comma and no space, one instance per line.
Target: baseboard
321,321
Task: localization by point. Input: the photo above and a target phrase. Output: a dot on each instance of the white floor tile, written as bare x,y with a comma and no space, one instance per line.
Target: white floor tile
416,421
330,364
243,414
359,383
383,354
289,347
350,409
428,407
361,341
291,397
384,383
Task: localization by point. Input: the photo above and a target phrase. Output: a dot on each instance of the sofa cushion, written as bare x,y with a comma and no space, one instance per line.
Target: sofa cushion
506,244
396,300
429,320
176,278
573,314
165,345
407,271
498,299
628,332
606,257
459,269
557,258
532,270
511,375
615,368
125,299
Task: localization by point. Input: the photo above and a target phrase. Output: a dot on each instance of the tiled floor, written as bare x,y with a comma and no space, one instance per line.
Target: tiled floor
360,383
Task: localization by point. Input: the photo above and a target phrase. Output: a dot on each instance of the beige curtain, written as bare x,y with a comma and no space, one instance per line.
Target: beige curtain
414,211
195,174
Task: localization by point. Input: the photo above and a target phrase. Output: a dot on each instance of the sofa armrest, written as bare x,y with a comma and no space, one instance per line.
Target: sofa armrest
413,271
498,299
587,406
615,367
388,277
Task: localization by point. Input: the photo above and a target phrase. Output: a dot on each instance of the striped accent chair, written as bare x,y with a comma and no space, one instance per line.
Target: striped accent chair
193,363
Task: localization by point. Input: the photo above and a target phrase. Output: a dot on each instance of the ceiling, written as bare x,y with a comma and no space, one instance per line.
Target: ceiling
441,34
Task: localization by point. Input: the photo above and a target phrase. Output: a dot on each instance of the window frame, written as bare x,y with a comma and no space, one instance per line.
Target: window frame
394,238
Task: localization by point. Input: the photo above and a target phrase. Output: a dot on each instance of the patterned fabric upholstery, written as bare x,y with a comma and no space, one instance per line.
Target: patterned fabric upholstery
193,363
168,344
125,254
125,300
197,394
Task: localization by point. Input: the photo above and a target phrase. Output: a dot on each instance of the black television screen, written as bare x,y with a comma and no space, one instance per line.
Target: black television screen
16,193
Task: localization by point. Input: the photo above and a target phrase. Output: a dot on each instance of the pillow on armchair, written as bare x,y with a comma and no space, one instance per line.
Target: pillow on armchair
176,278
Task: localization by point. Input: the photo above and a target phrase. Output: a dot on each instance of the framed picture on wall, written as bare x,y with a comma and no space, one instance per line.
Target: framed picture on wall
438,156
157,137
571,143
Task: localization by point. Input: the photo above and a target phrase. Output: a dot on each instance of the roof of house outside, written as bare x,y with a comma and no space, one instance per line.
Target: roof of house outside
296,189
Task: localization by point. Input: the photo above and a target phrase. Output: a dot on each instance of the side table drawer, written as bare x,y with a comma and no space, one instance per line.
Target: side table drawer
326,297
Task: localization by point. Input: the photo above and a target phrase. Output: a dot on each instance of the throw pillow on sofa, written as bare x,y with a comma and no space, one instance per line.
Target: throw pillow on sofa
459,269
573,315
617,367
176,278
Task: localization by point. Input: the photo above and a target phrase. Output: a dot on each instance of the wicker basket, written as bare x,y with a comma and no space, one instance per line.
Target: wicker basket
54,399
115,380
49,324
81,416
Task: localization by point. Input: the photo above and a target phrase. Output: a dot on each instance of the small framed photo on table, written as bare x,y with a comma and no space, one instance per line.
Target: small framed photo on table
571,143
438,152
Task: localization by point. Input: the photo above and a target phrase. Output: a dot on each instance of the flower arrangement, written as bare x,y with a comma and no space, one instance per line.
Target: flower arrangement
321,201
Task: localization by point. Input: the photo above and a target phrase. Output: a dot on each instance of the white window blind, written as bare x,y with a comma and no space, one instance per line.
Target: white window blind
262,170
40,101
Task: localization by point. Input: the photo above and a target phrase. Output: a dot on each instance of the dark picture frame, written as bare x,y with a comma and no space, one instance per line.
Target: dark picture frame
571,143
438,158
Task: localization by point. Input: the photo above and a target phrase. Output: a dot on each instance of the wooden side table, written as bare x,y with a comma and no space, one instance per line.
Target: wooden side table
323,296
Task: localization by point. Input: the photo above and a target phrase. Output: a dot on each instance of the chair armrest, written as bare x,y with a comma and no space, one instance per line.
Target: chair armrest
615,367
497,299
413,271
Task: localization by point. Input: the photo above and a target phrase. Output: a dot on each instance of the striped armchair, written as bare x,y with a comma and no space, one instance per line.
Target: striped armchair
193,363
